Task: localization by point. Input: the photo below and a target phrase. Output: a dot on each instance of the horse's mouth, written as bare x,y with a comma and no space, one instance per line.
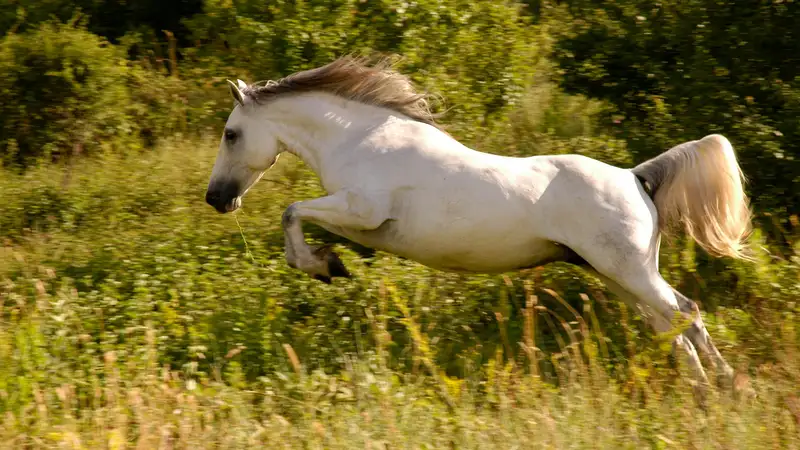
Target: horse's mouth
234,204
230,206
224,197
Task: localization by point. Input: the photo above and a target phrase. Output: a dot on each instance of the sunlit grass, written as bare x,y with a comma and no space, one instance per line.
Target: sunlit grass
133,316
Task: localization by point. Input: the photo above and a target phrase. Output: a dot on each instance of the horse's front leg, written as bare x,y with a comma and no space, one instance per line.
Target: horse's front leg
345,209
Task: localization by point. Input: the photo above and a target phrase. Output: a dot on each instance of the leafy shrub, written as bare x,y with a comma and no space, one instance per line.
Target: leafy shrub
680,71
442,43
63,93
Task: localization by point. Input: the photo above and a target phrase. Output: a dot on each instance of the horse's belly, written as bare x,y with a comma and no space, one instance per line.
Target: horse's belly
479,262
460,258
458,252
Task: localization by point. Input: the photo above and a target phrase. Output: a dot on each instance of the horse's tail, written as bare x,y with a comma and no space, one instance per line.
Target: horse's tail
699,184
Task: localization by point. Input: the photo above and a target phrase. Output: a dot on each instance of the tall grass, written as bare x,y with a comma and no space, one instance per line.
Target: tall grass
141,404
132,316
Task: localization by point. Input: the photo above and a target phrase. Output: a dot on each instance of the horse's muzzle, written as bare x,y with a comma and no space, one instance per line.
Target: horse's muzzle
224,197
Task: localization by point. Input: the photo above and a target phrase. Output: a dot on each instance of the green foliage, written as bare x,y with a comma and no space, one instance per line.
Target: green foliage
63,92
443,45
69,92
111,19
679,71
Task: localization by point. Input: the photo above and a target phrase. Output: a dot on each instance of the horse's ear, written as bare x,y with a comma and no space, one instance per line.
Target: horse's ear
235,92
242,84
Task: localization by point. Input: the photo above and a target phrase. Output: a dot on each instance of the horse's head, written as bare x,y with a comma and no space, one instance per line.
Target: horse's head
248,148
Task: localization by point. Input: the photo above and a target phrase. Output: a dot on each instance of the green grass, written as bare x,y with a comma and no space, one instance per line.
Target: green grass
133,316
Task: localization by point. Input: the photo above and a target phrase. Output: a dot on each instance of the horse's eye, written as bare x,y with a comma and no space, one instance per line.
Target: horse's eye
230,136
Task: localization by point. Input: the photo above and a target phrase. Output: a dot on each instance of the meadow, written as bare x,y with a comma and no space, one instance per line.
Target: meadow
133,316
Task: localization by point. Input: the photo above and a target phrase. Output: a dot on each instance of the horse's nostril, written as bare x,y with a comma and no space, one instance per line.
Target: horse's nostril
212,198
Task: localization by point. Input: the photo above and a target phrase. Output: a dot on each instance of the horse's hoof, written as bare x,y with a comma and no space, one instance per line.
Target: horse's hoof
323,278
334,265
726,377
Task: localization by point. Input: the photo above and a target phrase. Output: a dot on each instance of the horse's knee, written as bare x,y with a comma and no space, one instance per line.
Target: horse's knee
288,217
696,332
689,310
686,305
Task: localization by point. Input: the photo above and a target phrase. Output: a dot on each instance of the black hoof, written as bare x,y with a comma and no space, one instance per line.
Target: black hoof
323,278
336,267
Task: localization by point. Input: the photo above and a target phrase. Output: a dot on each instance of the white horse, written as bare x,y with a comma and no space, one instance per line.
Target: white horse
399,184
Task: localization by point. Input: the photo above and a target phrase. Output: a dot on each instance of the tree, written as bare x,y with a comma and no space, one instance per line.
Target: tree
64,91
444,45
679,71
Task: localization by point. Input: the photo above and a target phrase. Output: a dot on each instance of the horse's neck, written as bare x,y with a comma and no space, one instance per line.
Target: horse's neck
313,124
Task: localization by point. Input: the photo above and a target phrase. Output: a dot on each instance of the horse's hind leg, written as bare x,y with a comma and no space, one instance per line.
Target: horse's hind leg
698,334
626,259
654,311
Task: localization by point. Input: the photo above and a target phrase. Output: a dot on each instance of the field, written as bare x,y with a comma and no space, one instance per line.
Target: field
134,316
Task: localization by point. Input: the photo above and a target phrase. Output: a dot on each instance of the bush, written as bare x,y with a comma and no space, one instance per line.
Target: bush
64,92
681,71
442,44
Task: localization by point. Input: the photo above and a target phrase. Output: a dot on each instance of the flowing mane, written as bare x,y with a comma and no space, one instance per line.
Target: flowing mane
352,78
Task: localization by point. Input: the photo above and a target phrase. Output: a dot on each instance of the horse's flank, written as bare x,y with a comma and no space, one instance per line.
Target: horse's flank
354,79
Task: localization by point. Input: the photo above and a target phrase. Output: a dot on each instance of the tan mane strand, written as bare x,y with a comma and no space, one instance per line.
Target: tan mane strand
354,79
